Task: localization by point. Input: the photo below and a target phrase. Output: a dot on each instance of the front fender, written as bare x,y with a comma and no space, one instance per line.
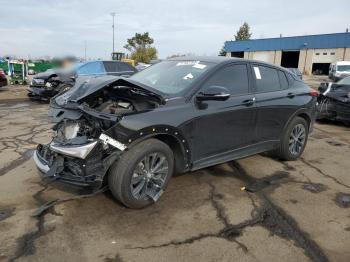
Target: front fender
130,137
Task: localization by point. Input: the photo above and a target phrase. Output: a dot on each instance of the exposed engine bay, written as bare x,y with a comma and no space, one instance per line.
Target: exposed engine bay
81,150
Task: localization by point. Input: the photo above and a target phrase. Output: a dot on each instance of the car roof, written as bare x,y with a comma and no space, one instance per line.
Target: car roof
343,63
222,60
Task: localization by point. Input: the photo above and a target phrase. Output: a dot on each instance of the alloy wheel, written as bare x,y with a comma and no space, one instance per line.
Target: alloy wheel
149,176
297,139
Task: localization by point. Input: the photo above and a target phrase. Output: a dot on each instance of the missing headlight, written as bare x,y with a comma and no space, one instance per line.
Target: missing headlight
71,130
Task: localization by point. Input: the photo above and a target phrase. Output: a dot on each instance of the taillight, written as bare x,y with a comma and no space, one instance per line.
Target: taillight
314,93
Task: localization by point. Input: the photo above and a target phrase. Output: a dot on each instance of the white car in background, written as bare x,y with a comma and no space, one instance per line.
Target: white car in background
339,70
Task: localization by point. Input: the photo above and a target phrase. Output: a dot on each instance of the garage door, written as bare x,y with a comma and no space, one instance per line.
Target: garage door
324,56
262,56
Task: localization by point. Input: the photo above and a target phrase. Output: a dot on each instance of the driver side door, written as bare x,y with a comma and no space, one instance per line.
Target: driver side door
222,127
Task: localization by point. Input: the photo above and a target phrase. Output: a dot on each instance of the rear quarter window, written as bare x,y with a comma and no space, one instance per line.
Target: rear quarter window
283,80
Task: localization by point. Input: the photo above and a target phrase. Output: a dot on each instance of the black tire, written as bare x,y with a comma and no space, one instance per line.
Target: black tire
62,88
284,152
121,172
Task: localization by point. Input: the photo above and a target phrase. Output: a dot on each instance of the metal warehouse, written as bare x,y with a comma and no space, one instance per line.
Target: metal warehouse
312,54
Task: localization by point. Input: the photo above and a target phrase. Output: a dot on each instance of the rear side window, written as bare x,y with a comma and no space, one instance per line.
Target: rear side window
267,79
111,66
283,80
232,77
125,67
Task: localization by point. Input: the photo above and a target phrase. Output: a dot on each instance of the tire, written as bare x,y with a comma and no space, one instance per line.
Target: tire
284,152
62,88
124,169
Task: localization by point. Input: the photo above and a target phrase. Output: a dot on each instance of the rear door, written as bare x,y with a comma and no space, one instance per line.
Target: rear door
275,102
223,126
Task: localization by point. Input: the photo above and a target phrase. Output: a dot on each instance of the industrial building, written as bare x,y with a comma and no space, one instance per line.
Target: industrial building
312,54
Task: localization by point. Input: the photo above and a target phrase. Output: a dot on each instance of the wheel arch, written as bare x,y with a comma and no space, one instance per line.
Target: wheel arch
303,113
167,134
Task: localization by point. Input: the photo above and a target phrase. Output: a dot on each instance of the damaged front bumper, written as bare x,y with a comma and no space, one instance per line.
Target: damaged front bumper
79,165
41,92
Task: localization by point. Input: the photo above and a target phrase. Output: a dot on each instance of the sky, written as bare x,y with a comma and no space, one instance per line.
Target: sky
37,28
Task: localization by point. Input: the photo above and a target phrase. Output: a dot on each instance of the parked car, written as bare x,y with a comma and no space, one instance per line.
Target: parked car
334,101
3,79
142,66
339,70
297,72
54,81
178,115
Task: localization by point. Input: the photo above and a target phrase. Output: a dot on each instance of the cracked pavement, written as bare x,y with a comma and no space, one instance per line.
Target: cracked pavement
287,211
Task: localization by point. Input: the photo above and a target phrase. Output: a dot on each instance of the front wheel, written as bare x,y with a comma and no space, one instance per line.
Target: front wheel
294,139
142,173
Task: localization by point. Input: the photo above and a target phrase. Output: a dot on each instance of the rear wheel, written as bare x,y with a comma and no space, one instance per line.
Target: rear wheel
142,173
294,139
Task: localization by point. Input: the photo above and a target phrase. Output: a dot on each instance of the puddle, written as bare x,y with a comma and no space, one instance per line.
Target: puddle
343,200
260,184
6,213
334,143
314,188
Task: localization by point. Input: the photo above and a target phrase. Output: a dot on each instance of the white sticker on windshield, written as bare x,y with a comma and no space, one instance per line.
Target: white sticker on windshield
186,63
188,76
257,72
199,66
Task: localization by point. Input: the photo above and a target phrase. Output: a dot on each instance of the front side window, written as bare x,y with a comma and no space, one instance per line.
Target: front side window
91,68
232,77
172,77
267,79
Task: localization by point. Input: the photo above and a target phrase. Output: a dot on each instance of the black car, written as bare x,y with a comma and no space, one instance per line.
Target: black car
296,71
334,101
54,81
176,116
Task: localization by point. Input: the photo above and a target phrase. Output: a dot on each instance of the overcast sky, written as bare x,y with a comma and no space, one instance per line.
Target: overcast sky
46,27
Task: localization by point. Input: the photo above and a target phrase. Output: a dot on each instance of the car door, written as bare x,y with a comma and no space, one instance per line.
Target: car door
91,69
275,102
224,126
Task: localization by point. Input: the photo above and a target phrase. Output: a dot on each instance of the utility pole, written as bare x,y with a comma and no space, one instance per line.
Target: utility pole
113,15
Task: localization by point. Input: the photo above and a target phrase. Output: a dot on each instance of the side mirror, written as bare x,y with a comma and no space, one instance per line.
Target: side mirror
216,93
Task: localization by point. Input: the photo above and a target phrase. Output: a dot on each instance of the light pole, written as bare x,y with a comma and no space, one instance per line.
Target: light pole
113,15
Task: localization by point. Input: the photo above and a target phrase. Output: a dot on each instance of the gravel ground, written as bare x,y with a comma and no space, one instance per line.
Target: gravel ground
290,211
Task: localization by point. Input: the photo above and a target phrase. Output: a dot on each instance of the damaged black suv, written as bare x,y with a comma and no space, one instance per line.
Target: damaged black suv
176,116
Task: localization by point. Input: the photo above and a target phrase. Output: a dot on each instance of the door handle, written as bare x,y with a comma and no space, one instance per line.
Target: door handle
291,95
248,102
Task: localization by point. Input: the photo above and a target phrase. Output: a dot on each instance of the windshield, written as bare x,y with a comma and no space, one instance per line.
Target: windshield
344,81
172,77
343,68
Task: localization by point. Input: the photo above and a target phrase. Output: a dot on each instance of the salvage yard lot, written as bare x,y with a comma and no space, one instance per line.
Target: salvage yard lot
289,211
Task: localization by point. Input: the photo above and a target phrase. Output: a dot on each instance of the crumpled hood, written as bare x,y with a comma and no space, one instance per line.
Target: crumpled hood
86,86
45,75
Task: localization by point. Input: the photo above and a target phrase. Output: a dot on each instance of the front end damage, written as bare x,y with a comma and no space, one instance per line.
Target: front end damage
85,144
334,102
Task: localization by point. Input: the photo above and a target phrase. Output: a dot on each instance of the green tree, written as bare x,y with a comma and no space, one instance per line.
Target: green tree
140,47
243,32
222,51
